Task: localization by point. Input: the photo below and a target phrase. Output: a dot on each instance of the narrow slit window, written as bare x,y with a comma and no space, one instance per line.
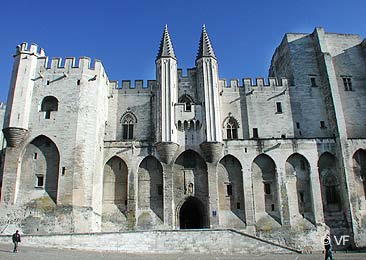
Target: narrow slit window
313,81
279,107
229,189
255,132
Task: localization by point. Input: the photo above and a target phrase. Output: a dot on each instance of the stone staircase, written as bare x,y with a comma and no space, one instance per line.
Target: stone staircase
203,241
339,229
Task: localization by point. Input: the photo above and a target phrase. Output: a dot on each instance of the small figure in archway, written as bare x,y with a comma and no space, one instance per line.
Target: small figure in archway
190,188
16,240
328,248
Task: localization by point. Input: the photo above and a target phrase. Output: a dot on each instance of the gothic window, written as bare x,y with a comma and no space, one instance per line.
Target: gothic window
187,100
128,122
232,129
48,105
347,83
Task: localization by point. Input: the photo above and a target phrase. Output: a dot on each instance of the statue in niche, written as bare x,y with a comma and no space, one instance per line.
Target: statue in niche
188,181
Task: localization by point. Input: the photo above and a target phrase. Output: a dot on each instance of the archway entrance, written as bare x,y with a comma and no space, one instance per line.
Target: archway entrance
191,214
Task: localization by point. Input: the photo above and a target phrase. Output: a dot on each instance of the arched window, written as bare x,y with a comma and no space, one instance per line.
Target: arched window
232,129
48,105
128,122
188,100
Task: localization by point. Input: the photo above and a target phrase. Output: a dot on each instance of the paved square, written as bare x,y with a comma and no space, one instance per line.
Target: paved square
28,253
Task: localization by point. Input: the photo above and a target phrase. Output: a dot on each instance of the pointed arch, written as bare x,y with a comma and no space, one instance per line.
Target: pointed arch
359,171
265,186
128,120
329,179
231,192
150,186
115,186
298,166
192,214
190,175
187,100
231,126
39,169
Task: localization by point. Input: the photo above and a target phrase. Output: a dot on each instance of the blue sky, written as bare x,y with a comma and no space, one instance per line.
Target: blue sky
125,34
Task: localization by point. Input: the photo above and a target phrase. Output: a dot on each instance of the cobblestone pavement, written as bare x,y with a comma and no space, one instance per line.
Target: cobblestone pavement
28,253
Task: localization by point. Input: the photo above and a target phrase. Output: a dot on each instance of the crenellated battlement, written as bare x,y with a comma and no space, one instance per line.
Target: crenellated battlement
137,87
249,84
69,63
32,48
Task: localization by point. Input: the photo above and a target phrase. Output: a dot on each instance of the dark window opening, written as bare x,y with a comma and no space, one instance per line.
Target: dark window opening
47,115
267,188
78,82
245,150
229,189
255,132
347,83
297,125
322,124
188,107
35,156
283,136
49,104
273,207
40,180
48,82
63,170
238,205
279,107
313,82
125,202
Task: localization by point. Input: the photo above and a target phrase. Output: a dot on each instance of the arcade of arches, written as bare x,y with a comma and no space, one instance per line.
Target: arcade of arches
182,195
189,190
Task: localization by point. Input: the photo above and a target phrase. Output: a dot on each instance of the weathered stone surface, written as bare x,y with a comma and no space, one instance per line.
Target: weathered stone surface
284,159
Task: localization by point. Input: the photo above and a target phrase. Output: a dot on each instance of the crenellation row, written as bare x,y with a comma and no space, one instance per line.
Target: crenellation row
69,63
138,85
248,83
33,48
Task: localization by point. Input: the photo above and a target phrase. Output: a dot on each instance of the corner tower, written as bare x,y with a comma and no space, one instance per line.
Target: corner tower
20,93
208,85
167,96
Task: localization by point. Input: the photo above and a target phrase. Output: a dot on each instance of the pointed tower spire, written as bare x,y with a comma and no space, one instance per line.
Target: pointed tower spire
205,49
166,46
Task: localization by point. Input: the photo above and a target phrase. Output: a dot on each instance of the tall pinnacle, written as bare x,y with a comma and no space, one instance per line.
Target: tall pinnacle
205,48
166,46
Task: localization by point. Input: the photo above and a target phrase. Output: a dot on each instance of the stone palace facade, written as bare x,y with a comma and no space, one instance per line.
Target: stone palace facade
282,158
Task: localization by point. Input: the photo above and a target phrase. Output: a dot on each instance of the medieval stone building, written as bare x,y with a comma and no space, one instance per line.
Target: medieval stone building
283,158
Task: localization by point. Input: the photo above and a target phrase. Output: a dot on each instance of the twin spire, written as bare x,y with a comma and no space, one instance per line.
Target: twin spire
166,47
